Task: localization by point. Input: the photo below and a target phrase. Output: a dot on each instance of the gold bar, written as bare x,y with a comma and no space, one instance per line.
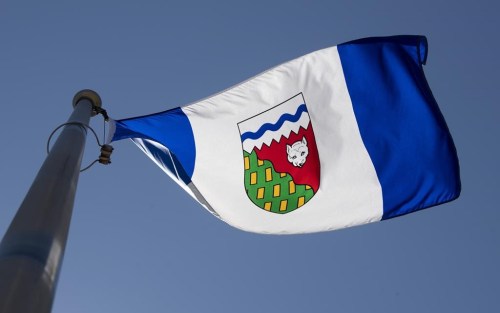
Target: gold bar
301,202
276,190
269,174
267,206
283,204
247,163
260,193
253,178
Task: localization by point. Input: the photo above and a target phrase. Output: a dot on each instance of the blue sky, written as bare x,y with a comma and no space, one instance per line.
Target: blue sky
138,243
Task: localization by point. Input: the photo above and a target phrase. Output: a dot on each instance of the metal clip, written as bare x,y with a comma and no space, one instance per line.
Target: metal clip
105,157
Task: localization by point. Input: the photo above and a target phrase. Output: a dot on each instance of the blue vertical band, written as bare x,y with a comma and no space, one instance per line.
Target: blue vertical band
400,123
172,129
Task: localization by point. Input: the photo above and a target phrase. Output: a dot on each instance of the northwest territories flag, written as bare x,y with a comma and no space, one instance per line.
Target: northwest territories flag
340,137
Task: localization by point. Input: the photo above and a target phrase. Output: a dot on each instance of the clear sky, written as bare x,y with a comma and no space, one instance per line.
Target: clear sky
139,243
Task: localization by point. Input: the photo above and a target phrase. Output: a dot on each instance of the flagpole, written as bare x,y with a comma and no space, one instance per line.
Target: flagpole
32,249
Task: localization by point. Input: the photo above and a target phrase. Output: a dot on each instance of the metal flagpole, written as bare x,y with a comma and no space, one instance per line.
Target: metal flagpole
32,249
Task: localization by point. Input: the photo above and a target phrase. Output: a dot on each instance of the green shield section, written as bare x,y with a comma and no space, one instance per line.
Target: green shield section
270,190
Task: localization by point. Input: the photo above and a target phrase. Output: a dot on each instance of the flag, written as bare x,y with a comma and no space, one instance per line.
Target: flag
340,137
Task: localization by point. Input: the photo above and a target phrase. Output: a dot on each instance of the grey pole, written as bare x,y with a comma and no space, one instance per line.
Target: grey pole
32,249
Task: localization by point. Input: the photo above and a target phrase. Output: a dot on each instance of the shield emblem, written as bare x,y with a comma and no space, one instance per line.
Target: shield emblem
280,157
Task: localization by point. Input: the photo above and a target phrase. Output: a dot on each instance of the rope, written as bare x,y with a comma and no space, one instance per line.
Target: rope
106,150
71,123
89,166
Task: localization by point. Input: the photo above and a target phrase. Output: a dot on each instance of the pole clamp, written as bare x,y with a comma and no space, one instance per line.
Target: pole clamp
105,157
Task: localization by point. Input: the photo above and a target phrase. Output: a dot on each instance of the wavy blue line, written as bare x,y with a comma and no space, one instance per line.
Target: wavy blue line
274,127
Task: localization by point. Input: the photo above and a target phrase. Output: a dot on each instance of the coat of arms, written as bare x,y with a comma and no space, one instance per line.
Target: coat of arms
280,157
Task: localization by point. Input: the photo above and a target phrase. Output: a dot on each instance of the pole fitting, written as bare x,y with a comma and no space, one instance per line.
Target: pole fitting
90,95
105,157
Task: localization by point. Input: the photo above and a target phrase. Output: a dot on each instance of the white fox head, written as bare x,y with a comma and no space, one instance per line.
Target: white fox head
297,152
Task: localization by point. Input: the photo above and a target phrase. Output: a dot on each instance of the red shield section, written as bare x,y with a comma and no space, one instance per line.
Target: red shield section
276,153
